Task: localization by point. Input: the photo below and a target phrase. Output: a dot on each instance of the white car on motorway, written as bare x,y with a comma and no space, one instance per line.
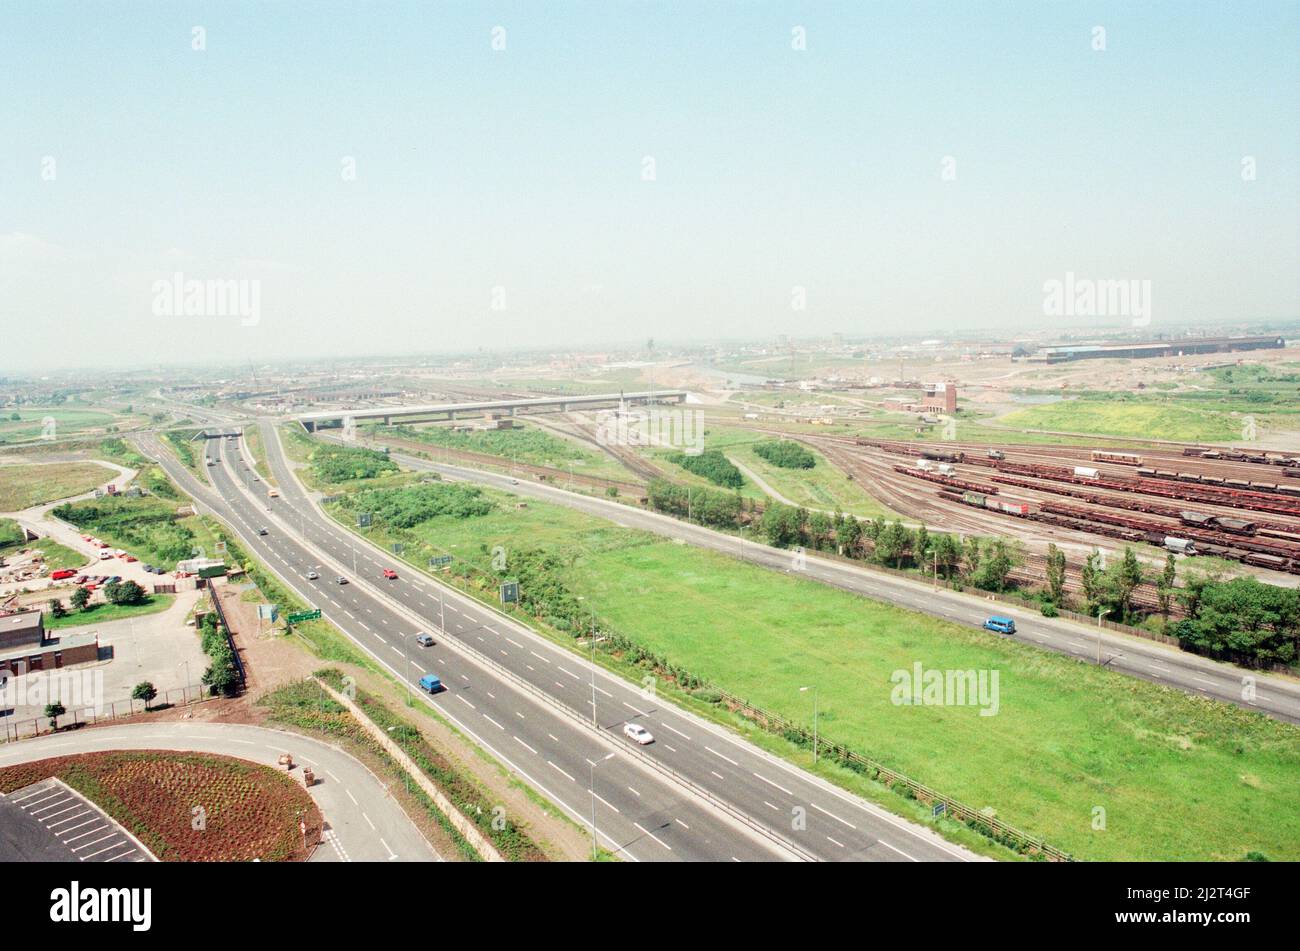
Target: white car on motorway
637,733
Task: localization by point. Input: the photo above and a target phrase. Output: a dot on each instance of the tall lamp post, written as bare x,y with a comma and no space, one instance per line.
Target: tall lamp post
814,693
1100,614
593,802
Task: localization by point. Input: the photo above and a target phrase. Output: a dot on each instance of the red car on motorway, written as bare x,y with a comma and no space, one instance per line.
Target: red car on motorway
390,574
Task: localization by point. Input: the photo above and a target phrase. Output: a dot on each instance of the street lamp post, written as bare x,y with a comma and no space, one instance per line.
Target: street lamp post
814,693
1100,614
593,802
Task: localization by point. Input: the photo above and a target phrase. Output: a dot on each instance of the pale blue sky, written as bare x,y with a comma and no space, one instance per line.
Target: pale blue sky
521,169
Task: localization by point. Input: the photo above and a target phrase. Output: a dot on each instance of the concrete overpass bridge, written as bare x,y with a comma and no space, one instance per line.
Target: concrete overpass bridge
440,411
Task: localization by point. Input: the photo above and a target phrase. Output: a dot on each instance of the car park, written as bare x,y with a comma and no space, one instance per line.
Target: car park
637,734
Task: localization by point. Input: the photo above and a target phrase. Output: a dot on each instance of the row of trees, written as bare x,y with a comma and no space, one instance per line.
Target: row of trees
116,592
705,506
332,463
984,563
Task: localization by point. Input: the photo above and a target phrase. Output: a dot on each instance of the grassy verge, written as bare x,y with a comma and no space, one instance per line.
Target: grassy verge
23,486
305,707
1065,740
180,442
512,841
253,437
103,613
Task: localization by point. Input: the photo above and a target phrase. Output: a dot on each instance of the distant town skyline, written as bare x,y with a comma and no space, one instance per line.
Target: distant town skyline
307,181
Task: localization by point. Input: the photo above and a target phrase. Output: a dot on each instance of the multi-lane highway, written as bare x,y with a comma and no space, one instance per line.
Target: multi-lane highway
697,793
1276,696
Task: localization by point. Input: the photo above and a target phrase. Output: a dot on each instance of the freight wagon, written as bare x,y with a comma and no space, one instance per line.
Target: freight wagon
1118,458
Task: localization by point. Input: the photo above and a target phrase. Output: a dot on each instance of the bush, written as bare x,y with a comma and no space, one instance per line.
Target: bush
711,465
785,453
1049,609
331,463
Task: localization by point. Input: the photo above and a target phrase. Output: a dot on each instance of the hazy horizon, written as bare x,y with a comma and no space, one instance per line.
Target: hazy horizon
380,179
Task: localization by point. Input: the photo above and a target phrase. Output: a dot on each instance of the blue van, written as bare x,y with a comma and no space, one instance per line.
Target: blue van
430,683
1003,625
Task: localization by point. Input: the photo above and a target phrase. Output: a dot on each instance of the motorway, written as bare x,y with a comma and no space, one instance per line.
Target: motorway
698,793
1163,664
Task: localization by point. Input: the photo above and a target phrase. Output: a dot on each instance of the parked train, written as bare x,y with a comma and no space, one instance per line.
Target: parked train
1116,458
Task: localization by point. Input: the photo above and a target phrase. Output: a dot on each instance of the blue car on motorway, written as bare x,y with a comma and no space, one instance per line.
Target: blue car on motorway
430,683
1003,625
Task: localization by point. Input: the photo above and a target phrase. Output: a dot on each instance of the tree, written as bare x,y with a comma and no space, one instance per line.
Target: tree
1123,580
144,691
53,711
781,524
971,557
1055,574
125,592
893,542
849,534
921,545
80,599
947,554
1165,586
1090,576
56,608
1002,557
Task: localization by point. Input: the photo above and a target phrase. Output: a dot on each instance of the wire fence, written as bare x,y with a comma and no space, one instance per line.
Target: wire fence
27,727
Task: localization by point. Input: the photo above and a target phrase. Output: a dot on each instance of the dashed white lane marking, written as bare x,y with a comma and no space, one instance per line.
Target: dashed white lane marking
776,785
461,696
675,730
493,722
653,836
899,851
560,771
523,744
834,816
720,756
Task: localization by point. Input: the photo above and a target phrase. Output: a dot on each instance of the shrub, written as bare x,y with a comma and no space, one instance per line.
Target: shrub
785,453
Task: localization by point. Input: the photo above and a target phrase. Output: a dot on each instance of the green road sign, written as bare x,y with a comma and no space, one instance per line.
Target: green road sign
297,616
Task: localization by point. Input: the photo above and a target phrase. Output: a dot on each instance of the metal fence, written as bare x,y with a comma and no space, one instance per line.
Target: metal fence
21,729
230,638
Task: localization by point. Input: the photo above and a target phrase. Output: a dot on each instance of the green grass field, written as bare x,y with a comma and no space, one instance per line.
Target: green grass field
56,556
1179,777
23,486
68,421
1167,420
526,443
103,613
822,487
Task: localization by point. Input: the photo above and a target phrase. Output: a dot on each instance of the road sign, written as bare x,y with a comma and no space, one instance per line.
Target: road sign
938,809
398,548
297,616
437,561
268,612
510,592
363,520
